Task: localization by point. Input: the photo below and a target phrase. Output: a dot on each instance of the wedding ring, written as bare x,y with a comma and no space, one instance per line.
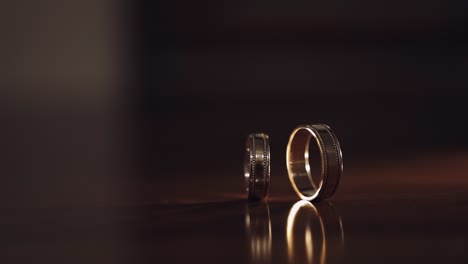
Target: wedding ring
309,182
257,166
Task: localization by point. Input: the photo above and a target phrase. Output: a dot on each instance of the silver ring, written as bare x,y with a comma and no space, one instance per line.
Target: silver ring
329,157
257,166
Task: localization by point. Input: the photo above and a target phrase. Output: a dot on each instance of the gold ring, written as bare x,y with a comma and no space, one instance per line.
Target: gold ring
309,182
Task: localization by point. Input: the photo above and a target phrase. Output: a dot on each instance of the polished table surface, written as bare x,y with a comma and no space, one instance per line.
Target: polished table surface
404,210
123,128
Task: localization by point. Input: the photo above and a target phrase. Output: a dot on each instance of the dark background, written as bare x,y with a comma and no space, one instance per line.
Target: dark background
387,76
103,98
116,114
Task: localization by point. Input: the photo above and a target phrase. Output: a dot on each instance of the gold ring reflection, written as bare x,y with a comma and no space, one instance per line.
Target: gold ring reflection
258,227
314,234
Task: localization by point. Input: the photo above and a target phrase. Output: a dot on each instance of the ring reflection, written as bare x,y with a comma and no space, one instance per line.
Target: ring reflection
258,227
314,233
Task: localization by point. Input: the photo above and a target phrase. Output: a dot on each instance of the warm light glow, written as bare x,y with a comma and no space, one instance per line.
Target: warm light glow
247,221
309,244
309,233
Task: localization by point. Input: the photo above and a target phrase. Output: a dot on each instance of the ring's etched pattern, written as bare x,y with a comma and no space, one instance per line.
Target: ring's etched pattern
257,166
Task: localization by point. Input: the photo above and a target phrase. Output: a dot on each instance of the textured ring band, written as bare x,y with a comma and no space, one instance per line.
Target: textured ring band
257,166
297,162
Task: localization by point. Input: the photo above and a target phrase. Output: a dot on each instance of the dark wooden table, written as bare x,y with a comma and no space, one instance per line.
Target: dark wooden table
411,209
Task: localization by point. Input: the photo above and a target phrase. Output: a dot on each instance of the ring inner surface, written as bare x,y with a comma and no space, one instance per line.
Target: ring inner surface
247,165
305,163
